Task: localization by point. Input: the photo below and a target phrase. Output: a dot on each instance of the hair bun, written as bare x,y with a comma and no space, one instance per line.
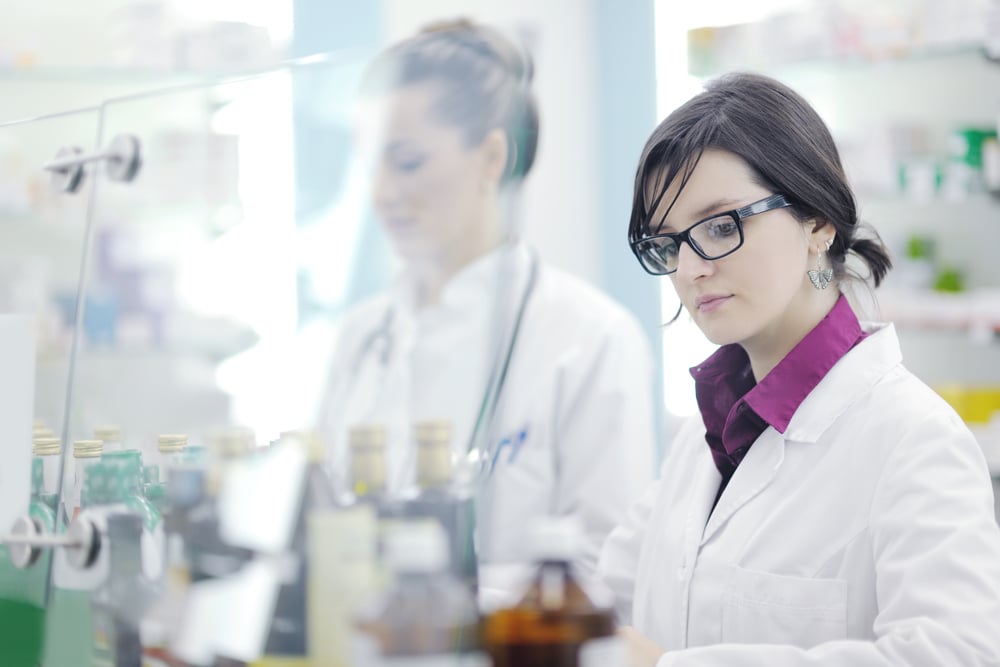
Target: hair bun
487,41
448,24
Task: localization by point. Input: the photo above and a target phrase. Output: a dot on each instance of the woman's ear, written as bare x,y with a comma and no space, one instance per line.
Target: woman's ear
821,234
494,151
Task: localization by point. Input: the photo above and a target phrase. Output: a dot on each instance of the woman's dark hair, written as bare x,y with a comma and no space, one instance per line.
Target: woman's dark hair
787,146
485,78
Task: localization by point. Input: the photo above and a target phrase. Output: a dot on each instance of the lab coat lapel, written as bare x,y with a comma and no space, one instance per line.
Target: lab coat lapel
704,490
757,470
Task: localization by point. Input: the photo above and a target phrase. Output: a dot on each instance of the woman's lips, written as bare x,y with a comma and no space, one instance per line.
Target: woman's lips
709,304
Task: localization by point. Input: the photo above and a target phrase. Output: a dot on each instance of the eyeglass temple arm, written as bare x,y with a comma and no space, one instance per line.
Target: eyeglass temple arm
772,202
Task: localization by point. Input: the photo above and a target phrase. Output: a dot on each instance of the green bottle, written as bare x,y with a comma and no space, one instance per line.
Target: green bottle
127,486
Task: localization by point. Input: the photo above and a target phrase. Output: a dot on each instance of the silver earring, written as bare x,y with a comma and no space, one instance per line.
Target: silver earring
820,277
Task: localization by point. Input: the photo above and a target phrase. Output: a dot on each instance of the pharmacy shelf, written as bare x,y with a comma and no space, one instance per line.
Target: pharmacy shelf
976,311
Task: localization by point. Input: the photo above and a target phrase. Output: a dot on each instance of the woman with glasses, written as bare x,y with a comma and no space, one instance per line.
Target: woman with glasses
544,380
826,507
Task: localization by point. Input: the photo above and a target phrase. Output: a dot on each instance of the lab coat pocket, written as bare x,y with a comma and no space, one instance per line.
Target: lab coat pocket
765,608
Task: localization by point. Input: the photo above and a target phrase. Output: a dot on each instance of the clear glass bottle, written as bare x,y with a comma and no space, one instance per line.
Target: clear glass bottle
171,448
38,507
342,573
427,616
556,623
208,555
442,499
170,454
48,451
289,626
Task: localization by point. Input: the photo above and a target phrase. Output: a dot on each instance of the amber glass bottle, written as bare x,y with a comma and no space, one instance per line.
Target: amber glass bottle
556,623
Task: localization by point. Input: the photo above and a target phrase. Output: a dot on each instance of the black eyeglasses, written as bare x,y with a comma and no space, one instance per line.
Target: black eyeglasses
712,238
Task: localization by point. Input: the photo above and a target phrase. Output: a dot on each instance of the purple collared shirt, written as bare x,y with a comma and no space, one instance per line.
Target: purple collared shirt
736,409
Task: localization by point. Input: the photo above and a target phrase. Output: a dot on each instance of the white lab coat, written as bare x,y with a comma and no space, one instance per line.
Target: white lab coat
863,535
574,424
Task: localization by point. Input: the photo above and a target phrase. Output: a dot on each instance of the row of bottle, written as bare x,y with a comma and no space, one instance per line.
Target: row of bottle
427,617
422,541
426,544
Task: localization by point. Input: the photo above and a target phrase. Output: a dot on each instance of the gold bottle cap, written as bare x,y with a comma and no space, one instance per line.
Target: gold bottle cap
88,449
170,443
434,465
432,431
108,433
367,436
313,443
42,432
232,443
46,446
368,470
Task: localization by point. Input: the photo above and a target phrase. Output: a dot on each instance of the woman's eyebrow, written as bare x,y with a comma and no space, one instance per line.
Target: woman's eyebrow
718,205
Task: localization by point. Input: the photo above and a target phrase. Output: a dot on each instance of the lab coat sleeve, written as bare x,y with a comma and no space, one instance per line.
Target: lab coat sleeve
619,562
936,550
619,559
604,431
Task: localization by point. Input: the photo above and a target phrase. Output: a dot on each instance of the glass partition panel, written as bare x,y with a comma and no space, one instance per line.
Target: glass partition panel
285,328
42,223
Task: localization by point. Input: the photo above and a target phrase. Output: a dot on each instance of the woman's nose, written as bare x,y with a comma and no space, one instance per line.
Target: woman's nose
691,265
384,189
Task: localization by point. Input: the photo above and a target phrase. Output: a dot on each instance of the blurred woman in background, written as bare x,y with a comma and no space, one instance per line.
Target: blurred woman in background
546,381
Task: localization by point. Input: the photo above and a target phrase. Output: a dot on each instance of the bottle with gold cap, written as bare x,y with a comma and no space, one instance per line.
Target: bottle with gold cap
47,450
441,499
170,454
110,435
368,472
85,454
289,627
368,466
343,572
209,556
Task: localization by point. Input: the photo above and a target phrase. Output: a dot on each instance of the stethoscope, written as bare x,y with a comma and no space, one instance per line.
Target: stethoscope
379,343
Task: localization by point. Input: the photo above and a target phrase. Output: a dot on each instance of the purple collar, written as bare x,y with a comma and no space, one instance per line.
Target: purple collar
724,383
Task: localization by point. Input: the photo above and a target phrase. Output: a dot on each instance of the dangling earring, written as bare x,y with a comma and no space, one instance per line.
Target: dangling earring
820,277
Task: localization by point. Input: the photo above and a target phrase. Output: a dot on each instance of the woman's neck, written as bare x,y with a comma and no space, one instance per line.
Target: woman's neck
434,273
769,347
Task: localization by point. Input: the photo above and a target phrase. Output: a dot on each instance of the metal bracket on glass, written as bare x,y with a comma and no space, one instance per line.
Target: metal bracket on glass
81,541
122,158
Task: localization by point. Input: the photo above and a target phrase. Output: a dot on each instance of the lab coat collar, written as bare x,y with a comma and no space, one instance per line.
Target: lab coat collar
850,378
484,275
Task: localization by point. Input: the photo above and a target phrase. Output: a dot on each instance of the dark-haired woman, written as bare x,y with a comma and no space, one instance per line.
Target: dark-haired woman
546,381
827,508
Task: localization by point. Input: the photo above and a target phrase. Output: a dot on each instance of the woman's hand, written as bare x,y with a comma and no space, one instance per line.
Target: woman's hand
642,652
